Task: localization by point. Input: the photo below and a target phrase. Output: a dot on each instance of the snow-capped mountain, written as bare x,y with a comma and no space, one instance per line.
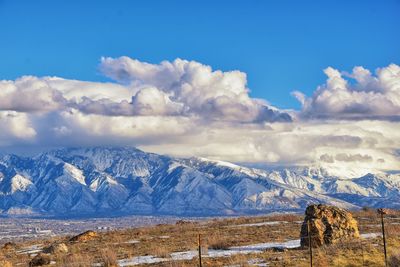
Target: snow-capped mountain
116,181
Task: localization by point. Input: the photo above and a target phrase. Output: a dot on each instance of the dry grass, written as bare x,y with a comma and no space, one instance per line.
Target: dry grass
161,240
108,257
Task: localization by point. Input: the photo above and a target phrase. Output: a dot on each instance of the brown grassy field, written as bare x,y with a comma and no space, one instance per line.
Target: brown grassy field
221,234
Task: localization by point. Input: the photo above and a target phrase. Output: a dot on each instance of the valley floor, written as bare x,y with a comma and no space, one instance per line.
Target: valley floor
246,241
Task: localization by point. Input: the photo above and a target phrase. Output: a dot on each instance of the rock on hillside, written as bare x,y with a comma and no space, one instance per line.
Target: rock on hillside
86,236
327,225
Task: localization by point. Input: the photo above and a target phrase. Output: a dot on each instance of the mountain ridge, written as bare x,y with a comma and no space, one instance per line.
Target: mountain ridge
124,180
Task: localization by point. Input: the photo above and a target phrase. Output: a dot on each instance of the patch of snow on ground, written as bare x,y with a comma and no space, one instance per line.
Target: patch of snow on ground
184,255
262,246
228,252
31,249
140,260
257,262
258,224
132,242
212,253
370,235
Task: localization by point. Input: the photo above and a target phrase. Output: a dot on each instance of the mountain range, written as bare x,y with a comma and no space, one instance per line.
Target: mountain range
112,181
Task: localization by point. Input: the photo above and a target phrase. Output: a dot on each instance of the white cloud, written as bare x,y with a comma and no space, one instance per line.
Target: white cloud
33,94
76,90
363,143
134,128
347,158
178,88
361,95
151,101
184,108
353,157
15,127
192,89
30,94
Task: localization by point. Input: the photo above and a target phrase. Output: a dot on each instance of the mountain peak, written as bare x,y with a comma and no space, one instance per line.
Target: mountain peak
126,180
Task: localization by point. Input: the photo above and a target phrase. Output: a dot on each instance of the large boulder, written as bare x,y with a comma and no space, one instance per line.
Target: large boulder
86,236
328,225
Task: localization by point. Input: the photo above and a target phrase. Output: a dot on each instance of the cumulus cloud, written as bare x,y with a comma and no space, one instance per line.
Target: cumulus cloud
151,101
355,95
15,127
47,94
184,108
30,94
191,88
178,88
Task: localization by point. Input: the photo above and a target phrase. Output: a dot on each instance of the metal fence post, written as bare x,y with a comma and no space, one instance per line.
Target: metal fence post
381,212
199,242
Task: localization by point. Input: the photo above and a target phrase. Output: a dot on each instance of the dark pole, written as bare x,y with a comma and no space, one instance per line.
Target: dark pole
200,251
384,237
309,242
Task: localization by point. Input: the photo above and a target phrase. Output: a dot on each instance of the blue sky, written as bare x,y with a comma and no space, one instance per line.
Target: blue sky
111,96
281,45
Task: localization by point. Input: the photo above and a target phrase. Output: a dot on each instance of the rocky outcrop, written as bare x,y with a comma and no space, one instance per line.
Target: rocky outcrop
57,248
86,236
327,225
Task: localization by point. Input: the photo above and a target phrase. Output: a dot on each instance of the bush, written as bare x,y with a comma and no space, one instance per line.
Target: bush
109,258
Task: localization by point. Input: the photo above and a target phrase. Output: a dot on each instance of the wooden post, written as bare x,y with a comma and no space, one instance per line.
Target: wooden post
199,241
309,242
381,212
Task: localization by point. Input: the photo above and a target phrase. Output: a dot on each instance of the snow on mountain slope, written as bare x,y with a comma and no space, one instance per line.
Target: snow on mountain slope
74,173
19,183
114,181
